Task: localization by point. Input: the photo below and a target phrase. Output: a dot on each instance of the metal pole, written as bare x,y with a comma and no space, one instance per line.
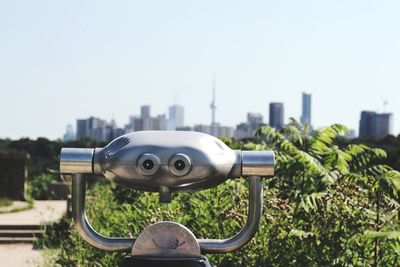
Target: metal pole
250,228
83,226
207,245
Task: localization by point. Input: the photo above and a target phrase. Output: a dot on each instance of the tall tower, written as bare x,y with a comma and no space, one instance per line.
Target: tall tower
305,118
176,116
213,104
377,125
276,115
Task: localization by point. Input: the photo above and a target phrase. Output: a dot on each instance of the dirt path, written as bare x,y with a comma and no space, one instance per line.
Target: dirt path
43,212
24,255
19,255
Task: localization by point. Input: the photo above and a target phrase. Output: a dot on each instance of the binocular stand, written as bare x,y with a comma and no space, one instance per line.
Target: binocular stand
167,162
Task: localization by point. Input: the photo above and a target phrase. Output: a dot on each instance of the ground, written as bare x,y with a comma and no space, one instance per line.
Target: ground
24,255
20,255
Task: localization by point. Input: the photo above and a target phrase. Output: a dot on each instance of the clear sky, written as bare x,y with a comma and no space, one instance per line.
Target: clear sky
63,60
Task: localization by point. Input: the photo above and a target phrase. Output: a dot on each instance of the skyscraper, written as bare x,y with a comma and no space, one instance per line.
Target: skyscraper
255,120
145,112
145,119
305,118
82,128
276,115
69,134
383,124
91,127
176,116
248,128
374,124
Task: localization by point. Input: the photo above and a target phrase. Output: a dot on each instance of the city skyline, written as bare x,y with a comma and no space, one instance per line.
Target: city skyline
63,60
371,124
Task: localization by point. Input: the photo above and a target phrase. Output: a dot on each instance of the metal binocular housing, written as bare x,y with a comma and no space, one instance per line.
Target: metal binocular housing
166,162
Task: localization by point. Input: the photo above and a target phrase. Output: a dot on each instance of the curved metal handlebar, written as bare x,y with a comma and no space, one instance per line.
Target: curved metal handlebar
83,226
125,244
248,230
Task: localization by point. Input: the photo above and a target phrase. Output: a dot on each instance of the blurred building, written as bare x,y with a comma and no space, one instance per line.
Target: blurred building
69,134
145,111
176,117
91,127
97,129
376,125
247,129
146,122
276,115
305,118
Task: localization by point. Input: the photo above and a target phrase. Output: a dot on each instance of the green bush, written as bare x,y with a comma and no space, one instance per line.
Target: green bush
37,186
328,205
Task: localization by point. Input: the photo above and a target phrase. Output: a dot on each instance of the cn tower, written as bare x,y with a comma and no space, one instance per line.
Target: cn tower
213,104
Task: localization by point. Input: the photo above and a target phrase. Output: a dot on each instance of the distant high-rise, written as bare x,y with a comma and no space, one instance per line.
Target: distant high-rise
247,129
276,115
367,124
255,120
176,116
69,134
383,124
145,112
377,125
91,127
82,128
305,118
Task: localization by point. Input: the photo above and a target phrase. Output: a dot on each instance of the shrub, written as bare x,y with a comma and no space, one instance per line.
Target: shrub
37,186
326,206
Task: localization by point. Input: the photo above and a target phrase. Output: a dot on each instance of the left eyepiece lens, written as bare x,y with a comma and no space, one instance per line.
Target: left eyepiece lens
148,164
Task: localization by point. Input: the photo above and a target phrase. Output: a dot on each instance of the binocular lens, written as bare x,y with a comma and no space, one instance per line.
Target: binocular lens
148,164
179,165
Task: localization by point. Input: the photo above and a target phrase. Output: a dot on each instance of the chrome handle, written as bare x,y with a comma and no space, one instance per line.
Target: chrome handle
83,226
125,244
249,229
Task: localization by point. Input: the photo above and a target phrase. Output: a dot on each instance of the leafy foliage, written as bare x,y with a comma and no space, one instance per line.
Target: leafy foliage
37,187
329,204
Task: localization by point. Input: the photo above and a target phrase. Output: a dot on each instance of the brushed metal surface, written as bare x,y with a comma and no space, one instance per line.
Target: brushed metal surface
76,160
249,229
258,163
83,226
166,239
206,245
209,161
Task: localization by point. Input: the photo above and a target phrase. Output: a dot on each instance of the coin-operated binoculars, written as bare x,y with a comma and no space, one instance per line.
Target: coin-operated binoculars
167,162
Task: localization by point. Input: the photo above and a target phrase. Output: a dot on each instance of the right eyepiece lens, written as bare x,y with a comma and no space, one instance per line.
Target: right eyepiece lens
148,164
179,165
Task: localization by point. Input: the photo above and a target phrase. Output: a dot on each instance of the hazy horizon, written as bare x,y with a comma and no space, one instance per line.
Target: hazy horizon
67,60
